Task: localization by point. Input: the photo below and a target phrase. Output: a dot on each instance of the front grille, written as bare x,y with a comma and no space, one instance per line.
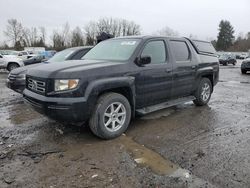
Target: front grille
36,85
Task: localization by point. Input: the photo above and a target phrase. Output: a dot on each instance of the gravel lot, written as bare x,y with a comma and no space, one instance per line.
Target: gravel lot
183,146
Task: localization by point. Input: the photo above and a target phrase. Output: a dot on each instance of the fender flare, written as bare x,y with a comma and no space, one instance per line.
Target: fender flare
204,72
96,87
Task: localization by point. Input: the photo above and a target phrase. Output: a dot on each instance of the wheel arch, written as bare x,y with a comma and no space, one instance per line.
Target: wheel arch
12,62
206,72
122,85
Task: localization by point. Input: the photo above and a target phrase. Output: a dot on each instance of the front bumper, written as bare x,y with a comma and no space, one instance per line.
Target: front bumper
16,85
62,109
245,67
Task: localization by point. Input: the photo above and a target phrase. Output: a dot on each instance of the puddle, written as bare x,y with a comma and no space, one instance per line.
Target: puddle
16,114
235,82
159,114
148,158
159,165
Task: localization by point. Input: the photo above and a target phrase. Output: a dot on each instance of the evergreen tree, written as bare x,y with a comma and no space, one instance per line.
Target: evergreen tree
226,35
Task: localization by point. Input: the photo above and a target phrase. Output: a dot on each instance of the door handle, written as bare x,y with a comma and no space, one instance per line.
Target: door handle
193,66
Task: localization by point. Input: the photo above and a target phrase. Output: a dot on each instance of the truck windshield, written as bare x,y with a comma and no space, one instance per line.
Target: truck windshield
113,50
62,55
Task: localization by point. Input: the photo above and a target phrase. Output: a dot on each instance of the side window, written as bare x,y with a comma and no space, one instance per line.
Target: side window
156,50
180,50
80,54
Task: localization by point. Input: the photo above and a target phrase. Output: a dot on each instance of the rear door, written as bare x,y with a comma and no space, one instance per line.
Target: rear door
157,76
184,68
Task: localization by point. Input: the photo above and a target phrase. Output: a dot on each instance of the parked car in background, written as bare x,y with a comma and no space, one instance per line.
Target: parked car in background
16,78
10,62
122,77
243,56
226,59
34,60
25,55
48,54
245,66
8,53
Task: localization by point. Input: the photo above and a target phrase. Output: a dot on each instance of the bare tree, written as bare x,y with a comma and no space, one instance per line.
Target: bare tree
66,34
77,38
61,39
26,37
14,30
91,33
192,36
33,36
58,41
43,33
167,31
115,27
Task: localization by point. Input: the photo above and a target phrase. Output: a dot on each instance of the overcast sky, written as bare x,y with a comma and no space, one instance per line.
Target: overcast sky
196,17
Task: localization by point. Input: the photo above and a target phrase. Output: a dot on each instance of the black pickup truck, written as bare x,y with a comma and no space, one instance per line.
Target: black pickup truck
122,77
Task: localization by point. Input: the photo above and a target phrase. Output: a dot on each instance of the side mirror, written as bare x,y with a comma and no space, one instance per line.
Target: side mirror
20,54
143,60
1,56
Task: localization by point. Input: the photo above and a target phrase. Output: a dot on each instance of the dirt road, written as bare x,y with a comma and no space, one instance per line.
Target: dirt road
184,146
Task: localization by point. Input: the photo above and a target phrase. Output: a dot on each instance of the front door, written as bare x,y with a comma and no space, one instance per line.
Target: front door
157,76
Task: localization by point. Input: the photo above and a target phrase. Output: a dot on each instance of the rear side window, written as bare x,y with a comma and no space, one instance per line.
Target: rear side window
205,47
156,50
180,50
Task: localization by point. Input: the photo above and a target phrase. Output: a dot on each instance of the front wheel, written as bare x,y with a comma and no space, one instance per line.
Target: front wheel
203,92
111,116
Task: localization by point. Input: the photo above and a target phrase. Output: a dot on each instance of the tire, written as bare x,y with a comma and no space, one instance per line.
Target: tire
12,66
203,92
243,71
116,123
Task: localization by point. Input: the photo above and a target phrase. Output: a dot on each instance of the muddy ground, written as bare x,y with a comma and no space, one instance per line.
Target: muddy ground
184,146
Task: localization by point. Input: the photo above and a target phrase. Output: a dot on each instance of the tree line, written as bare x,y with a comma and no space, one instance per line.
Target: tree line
21,36
226,40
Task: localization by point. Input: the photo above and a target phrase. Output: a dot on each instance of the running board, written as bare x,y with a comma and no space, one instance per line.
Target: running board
153,108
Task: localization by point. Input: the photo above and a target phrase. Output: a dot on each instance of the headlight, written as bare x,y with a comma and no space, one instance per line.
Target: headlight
62,85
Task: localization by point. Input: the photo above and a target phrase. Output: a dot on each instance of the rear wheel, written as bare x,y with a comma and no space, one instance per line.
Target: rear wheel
203,92
111,116
12,66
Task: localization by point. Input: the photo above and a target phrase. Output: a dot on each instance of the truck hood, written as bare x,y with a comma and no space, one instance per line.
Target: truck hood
70,69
